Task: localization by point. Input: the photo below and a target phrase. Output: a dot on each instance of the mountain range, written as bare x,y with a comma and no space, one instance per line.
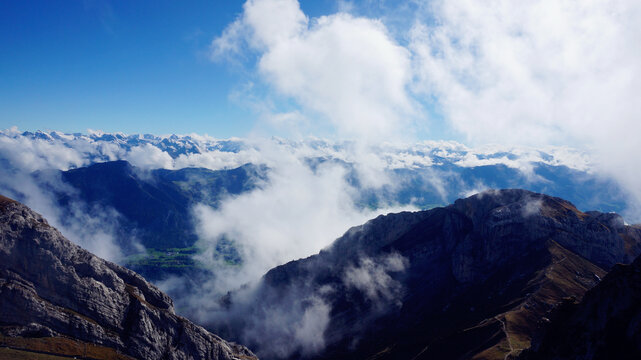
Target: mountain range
476,279
155,206
425,174
503,274
144,188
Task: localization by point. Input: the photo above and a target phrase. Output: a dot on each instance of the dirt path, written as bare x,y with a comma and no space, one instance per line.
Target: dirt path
507,336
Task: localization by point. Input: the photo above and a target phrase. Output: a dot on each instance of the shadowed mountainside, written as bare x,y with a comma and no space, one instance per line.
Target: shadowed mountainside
606,324
57,299
151,207
475,279
156,204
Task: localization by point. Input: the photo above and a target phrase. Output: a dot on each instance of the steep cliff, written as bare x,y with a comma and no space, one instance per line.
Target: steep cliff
56,298
605,325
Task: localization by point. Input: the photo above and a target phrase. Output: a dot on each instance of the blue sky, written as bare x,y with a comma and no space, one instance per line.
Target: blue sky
506,73
118,66
534,73
130,66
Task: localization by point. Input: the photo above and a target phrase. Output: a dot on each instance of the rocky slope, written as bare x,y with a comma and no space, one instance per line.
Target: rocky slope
605,325
58,299
475,279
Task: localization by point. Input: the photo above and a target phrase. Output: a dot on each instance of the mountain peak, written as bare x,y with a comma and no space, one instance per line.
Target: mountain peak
470,279
529,201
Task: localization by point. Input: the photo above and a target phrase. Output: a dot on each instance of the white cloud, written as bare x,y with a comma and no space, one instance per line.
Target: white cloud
35,154
296,213
525,72
269,30
538,72
372,277
309,333
148,156
347,69
216,159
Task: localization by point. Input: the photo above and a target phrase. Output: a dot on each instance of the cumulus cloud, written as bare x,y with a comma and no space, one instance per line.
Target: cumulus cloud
537,72
524,73
148,156
347,69
532,73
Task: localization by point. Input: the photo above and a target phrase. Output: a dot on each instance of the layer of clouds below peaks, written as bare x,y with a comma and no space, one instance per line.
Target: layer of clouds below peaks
306,201
296,213
534,72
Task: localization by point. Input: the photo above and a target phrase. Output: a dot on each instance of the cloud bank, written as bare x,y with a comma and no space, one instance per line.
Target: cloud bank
538,72
533,73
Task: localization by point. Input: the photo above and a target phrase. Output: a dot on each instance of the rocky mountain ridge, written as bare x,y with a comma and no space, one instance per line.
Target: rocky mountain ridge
606,324
56,298
475,279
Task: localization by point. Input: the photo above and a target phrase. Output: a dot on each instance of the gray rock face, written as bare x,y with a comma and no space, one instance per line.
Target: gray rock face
50,287
511,222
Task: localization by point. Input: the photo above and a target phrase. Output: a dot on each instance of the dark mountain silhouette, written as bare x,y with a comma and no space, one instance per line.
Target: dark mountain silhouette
606,324
57,299
156,204
475,279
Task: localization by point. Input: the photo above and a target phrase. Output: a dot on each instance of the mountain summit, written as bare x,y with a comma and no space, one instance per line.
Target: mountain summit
476,279
58,299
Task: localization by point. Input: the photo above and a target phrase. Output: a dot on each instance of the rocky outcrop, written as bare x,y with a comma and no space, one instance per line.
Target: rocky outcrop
57,298
475,279
605,325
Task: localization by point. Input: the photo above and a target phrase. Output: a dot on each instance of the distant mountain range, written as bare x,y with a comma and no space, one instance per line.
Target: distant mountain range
149,184
426,174
174,145
156,205
477,279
